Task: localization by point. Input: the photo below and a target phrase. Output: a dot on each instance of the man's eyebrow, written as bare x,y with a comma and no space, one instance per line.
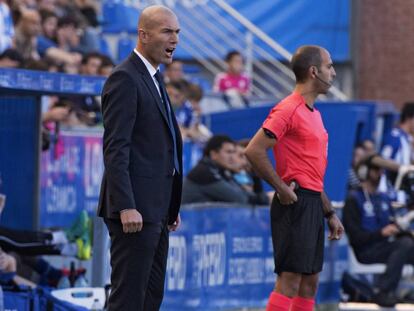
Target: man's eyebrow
171,29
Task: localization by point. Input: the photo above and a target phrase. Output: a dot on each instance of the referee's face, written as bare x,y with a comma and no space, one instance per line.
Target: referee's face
224,157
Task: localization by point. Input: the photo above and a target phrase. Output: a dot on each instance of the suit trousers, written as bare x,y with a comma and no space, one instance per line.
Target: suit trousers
138,262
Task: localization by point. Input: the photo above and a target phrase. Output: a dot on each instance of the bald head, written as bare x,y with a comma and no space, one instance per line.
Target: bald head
29,23
158,31
152,15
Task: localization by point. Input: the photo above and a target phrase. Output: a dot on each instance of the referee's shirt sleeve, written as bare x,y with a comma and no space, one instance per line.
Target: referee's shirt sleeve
278,121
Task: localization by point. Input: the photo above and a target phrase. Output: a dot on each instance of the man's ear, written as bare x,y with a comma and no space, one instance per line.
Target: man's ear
142,35
313,71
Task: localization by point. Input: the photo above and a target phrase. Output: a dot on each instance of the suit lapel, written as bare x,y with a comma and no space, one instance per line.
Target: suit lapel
154,92
146,77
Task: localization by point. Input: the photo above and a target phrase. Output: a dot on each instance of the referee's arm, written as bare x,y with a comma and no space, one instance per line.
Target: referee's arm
336,229
256,152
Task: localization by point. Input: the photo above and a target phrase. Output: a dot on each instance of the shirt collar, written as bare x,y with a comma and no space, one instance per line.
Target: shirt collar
152,71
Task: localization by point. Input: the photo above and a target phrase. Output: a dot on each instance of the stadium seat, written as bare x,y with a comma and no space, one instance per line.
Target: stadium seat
356,267
125,46
119,17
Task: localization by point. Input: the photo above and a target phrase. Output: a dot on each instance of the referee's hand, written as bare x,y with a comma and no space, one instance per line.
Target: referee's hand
286,194
336,229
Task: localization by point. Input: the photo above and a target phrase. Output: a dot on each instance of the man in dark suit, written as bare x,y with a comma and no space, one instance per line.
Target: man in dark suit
141,187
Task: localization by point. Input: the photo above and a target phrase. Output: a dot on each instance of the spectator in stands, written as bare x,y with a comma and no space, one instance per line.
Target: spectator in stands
27,30
68,38
49,25
47,43
398,143
6,26
245,177
174,72
233,84
369,146
374,237
87,108
197,131
177,91
357,156
88,9
106,66
11,58
211,180
91,63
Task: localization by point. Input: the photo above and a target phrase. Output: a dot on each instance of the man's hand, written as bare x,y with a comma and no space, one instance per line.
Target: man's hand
286,194
131,221
336,229
390,230
175,225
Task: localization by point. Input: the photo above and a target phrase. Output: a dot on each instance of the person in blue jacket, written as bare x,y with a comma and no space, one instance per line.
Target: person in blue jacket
368,218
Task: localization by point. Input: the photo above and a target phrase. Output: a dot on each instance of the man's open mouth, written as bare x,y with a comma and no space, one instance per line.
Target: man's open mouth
169,51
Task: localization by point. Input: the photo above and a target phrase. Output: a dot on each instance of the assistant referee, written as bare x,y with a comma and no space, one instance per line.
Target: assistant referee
295,131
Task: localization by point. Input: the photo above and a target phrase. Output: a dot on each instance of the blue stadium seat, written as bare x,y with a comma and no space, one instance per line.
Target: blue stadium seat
125,46
191,69
119,17
204,83
104,47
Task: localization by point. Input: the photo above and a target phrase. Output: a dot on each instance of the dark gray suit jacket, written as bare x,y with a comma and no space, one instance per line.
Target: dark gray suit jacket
138,147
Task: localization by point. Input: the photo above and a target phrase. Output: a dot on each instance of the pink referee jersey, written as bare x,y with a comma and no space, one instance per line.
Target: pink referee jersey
301,150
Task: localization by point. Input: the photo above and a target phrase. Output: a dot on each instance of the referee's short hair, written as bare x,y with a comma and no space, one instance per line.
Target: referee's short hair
305,57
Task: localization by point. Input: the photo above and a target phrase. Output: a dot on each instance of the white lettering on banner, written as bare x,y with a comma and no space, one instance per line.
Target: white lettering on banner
246,271
60,199
93,168
251,244
209,259
177,263
140,4
67,84
68,163
270,276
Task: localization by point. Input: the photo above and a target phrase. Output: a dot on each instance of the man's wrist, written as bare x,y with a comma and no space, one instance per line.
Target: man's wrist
329,214
125,210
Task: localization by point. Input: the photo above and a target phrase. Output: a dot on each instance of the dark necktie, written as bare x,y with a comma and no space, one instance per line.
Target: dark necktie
167,106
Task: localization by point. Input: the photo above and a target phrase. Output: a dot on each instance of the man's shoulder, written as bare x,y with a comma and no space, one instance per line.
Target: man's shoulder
288,106
205,172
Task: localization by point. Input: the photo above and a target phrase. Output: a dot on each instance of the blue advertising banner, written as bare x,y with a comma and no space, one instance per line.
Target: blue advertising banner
71,174
222,257
47,82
